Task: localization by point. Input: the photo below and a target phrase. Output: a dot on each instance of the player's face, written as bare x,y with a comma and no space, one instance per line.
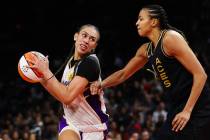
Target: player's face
86,40
144,23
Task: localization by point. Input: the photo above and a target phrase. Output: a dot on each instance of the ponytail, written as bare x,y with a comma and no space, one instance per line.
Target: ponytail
157,11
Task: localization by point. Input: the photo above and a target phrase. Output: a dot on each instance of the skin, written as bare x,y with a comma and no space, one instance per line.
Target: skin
65,135
175,46
85,41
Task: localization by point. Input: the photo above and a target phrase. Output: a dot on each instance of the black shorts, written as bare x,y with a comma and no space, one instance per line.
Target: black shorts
190,132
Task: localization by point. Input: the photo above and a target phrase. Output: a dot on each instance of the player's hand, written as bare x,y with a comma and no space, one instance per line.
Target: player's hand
180,121
95,88
40,63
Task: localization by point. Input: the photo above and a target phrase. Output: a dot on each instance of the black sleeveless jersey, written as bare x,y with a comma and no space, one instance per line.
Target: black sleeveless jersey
176,80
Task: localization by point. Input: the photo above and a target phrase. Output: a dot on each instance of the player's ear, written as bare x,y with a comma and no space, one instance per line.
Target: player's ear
155,22
75,36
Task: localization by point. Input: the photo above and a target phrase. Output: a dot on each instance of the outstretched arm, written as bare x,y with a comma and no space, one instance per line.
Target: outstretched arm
136,63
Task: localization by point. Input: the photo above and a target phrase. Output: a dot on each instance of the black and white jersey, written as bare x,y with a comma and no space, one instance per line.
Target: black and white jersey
86,112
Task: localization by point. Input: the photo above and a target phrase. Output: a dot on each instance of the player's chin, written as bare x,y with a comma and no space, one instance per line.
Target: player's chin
83,52
141,34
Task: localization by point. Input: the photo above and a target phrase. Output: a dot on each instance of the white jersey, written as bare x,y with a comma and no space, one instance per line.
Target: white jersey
86,112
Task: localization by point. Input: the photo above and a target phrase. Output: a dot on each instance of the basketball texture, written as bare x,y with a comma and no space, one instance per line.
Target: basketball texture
29,74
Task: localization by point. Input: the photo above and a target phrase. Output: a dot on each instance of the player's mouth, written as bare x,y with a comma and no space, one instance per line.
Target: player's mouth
83,47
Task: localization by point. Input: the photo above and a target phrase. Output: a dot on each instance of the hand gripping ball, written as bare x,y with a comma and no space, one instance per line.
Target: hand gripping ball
29,74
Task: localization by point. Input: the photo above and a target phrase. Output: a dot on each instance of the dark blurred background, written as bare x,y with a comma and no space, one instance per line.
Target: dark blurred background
48,27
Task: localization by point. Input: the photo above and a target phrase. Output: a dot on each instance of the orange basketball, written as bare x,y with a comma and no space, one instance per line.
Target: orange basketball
26,73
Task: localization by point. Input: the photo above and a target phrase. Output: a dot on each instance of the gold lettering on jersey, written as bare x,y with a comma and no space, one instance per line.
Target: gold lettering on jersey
162,74
167,83
160,68
158,61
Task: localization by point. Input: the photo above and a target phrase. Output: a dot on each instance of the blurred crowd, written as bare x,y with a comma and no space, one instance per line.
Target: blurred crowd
27,113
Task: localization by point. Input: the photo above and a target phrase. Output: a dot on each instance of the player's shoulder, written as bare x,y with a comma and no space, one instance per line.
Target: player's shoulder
143,49
91,60
143,46
171,35
92,57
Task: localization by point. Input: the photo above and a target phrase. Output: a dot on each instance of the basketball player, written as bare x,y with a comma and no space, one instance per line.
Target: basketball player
178,70
84,114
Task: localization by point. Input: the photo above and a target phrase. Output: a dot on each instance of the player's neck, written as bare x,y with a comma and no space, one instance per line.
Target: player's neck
155,36
76,56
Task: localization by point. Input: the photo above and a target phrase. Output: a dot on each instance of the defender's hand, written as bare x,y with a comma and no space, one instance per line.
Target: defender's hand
180,121
95,88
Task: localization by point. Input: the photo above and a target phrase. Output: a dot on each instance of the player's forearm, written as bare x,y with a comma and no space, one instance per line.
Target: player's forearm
114,79
56,89
199,81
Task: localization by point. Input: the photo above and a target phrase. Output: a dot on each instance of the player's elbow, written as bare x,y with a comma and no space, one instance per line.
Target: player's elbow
202,76
65,97
122,76
67,100
205,76
70,95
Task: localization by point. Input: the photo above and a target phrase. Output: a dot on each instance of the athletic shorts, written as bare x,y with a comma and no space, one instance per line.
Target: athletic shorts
63,126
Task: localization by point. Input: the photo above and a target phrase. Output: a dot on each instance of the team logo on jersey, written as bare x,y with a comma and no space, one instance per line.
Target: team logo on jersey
70,74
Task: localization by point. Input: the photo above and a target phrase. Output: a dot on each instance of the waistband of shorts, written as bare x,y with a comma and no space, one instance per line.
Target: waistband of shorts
93,128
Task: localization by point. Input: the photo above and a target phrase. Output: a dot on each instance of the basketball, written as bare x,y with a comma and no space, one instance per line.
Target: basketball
28,74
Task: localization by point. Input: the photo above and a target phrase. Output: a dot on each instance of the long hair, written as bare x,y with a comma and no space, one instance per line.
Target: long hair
157,12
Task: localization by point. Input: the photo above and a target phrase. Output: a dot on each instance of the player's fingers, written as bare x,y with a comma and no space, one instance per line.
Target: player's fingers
175,123
179,125
30,67
93,89
174,120
31,61
183,125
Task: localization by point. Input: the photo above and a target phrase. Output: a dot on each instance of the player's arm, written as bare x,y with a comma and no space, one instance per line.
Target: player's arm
87,70
65,94
176,46
137,62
